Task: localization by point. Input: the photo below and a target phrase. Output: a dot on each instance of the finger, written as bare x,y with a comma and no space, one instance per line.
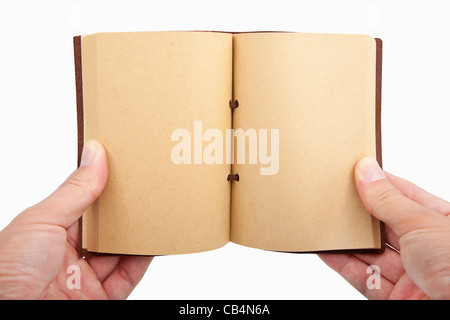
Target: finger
357,272
73,235
103,266
387,203
390,263
126,276
413,192
66,205
391,238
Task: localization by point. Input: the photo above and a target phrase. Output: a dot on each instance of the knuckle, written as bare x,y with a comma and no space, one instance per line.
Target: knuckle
82,184
127,276
386,198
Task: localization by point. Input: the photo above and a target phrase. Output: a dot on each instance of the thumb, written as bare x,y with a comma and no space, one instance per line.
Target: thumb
387,203
67,203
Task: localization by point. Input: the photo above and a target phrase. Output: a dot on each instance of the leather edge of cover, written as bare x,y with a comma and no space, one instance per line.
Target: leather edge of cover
379,67
379,63
79,94
80,124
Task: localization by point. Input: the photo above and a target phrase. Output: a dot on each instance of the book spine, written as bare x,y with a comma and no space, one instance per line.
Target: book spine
233,105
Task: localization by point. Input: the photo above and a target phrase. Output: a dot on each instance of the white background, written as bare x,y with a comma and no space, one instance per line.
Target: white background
38,119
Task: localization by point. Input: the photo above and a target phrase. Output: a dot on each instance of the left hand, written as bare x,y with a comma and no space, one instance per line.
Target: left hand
39,245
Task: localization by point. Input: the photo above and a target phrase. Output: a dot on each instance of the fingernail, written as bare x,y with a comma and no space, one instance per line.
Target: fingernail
368,170
89,152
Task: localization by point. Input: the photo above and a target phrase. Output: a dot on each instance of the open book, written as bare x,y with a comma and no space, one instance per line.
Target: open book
214,137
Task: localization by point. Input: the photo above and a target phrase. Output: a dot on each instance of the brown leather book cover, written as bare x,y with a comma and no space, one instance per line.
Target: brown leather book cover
80,136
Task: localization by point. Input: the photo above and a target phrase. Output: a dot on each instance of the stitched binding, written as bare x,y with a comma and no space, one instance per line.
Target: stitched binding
232,177
233,105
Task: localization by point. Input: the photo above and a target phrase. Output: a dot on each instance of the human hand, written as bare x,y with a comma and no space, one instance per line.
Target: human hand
416,263
38,246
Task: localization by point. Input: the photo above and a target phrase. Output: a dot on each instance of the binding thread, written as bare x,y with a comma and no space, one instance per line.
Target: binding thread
233,105
234,177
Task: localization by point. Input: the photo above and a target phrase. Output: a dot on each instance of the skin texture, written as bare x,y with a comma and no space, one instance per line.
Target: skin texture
416,263
38,246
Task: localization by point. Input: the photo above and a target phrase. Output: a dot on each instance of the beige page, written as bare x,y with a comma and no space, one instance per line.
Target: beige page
139,88
319,91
